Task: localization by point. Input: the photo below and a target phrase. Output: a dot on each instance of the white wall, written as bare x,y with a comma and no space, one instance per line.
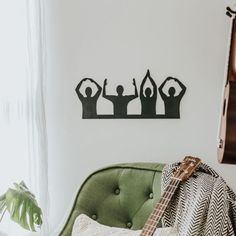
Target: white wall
120,40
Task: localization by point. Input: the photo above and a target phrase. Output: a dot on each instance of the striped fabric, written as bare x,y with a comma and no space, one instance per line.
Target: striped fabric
202,206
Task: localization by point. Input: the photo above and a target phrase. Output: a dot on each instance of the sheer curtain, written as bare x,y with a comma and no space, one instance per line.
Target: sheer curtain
23,138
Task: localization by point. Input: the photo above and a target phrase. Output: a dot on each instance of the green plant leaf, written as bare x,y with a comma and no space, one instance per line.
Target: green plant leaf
2,203
22,186
23,208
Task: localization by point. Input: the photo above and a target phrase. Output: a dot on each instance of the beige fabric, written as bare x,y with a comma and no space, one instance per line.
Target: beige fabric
84,226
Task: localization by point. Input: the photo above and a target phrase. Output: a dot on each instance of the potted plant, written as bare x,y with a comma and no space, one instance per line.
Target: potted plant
22,207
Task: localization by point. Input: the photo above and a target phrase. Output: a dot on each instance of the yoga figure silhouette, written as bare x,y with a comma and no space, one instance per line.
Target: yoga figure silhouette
89,102
120,101
148,97
172,102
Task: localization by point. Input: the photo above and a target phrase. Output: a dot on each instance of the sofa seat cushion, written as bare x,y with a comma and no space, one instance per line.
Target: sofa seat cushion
84,226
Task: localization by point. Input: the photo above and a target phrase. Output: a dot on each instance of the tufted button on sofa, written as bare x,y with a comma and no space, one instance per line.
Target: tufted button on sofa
121,196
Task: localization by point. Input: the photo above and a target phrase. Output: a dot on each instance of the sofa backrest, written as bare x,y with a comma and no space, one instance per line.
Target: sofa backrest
121,196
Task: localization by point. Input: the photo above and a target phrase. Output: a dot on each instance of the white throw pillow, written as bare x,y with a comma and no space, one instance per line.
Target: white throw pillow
84,226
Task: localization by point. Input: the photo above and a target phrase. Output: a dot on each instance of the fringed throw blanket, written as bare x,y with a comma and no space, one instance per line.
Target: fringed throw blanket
202,206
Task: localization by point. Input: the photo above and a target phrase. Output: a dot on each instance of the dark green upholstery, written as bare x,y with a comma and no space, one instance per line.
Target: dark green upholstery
122,195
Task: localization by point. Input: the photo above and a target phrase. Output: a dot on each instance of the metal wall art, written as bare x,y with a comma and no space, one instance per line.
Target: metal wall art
148,98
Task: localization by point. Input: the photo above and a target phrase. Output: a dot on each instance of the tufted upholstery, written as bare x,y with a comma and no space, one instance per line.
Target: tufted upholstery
122,195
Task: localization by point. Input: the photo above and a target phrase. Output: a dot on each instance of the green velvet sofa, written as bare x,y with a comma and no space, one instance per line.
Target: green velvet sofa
122,195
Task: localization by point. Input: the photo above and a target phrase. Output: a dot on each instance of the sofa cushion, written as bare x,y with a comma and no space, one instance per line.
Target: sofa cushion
84,226
120,196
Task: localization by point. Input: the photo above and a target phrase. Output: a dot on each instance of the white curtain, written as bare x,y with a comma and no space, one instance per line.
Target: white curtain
23,137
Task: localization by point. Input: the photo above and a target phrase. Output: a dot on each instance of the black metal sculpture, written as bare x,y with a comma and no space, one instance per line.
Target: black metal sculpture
172,102
89,102
148,99
120,101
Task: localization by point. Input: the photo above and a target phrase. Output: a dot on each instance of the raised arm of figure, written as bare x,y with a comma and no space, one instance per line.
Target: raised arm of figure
80,95
182,86
163,95
135,89
154,86
142,84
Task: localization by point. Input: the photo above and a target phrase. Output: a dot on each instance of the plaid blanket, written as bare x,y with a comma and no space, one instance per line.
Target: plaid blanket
202,206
